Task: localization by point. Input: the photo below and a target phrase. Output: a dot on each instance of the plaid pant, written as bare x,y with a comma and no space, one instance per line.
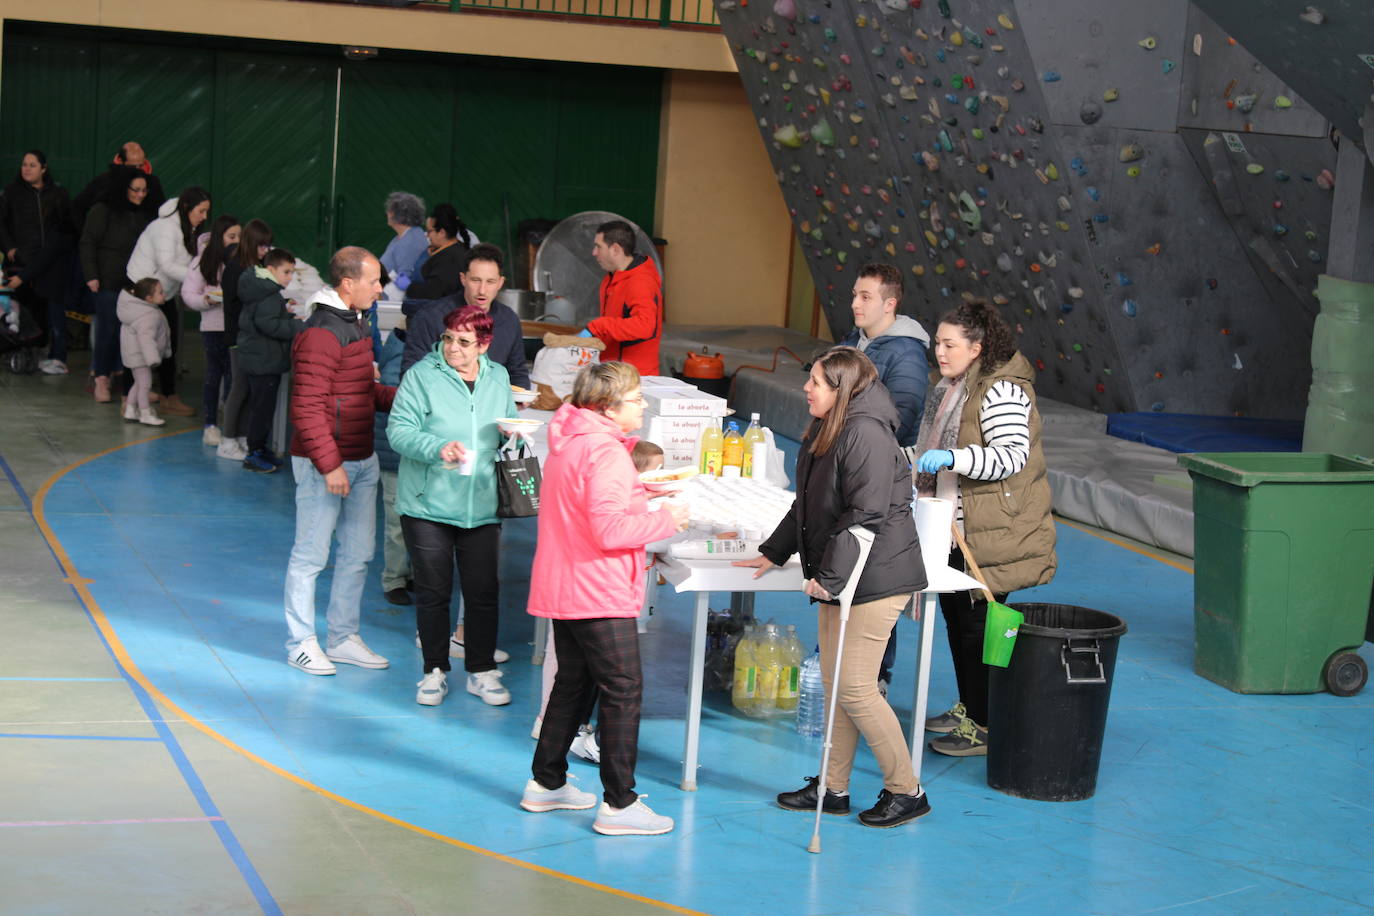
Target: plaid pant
598,654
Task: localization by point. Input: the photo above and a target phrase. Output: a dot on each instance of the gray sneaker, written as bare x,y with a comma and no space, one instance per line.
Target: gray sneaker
636,820
969,739
567,796
947,721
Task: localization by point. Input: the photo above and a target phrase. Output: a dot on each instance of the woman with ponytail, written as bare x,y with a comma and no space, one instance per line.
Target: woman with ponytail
980,422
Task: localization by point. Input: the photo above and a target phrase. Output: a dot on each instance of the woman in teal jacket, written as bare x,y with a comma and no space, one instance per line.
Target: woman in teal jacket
443,425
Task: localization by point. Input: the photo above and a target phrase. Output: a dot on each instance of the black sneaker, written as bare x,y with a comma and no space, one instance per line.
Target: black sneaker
804,799
892,810
398,596
969,739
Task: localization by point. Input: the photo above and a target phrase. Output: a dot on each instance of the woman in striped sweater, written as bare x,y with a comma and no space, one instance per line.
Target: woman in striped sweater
979,444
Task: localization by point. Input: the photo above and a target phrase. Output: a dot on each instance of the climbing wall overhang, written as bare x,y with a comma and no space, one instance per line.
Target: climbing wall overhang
1035,155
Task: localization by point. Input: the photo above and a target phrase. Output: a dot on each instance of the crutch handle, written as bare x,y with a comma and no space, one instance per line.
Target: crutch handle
864,537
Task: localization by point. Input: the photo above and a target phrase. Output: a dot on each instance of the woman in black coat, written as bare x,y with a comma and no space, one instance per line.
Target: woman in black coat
108,238
36,237
441,274
852,472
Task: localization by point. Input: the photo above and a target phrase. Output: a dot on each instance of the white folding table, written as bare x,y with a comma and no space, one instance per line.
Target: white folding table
706,576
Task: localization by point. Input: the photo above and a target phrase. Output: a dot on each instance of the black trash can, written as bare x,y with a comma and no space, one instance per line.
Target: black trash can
1047,710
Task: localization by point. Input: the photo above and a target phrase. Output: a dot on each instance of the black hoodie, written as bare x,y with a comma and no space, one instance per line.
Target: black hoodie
863,480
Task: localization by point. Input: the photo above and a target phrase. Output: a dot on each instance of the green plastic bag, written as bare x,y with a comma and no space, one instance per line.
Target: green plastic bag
999,636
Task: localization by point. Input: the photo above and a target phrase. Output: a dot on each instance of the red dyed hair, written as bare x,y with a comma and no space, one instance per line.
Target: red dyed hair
471,318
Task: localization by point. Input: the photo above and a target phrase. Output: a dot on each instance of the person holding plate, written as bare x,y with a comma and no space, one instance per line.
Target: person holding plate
443,425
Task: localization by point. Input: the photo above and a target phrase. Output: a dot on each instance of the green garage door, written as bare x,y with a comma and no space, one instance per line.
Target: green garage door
313,143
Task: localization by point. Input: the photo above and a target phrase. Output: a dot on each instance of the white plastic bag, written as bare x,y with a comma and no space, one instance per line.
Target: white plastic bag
557,367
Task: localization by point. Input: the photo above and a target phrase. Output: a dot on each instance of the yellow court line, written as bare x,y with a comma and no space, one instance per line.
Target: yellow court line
102,623
1131,547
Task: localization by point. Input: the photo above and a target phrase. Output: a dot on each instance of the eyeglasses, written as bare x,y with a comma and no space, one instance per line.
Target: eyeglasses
637,399
466,343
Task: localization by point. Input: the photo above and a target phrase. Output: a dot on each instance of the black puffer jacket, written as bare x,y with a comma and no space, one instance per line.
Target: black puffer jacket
863,480
31,217
107,241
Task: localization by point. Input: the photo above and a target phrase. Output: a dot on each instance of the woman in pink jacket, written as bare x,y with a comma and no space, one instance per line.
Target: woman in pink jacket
594,520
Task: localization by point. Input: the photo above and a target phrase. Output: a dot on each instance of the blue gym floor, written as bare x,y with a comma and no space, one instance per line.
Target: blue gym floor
1208,801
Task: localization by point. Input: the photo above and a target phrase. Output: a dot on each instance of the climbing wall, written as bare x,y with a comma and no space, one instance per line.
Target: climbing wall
1048,155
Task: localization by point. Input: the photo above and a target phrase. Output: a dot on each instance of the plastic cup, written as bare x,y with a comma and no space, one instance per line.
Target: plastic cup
999,636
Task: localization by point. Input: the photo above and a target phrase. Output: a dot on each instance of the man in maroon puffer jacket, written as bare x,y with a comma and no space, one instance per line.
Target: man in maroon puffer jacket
334,394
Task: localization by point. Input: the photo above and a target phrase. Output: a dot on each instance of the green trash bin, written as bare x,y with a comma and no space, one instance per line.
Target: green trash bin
1284,564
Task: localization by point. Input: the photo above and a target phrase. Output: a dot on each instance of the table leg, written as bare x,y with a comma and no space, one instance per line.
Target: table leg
695,683
918,707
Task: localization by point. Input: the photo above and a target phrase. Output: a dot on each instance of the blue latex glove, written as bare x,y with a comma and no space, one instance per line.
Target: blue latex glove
936,459
584,333
402,281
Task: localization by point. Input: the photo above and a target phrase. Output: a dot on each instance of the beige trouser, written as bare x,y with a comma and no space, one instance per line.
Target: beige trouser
862,708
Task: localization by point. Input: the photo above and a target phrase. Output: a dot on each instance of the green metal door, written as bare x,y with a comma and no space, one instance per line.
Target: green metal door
275,127
47,102
136,101
396,133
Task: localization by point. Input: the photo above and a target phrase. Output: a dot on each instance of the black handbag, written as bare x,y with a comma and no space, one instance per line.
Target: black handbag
517,480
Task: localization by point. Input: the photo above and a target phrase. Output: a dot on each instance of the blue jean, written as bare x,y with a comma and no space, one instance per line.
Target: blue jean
320,515
105,359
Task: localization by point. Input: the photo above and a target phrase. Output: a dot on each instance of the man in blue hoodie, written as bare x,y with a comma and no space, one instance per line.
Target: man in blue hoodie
896,344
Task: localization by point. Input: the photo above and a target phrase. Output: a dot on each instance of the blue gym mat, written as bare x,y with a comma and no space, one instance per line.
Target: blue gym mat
1186,432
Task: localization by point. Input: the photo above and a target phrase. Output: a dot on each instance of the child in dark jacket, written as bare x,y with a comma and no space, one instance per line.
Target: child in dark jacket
266,329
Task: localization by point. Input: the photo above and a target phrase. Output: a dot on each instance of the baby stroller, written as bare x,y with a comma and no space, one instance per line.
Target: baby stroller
20,336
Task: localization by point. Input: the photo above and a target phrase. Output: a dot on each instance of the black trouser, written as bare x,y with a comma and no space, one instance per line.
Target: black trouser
600,653
433,548
965,620
262,407
167,369
216,374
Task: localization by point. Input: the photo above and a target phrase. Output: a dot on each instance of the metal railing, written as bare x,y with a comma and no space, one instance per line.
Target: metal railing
666,13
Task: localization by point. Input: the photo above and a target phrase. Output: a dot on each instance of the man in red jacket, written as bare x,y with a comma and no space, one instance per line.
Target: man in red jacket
631,295
334,397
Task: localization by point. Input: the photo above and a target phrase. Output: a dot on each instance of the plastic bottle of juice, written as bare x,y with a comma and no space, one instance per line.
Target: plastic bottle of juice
768,656
752,436
789,684
712,445
732,454
745,688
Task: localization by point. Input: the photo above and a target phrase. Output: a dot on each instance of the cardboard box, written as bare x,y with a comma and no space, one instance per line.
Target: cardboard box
679,437
683,402
662,381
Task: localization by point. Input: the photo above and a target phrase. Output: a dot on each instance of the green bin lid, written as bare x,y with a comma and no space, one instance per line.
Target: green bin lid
1249,469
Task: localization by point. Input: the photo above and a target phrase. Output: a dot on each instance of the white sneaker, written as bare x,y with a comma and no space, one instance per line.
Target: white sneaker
488,686
211,436
567,796
433,688
538,727
584,745
636,820
230,450
52,367
308,657
353,651
148,417
456,650
131,411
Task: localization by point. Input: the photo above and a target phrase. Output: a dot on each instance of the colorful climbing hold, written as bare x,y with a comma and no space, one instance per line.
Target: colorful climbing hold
1051,76
1111,95
1282,101
1149,43
1131,152
1128,308
1254,168
1122,279
1005,21
1167,65
788,136
1133,172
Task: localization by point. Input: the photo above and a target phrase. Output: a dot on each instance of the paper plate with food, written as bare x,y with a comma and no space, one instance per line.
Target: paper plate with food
663,480
523,395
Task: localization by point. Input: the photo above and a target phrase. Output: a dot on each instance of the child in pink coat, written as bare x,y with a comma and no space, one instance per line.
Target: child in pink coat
588,577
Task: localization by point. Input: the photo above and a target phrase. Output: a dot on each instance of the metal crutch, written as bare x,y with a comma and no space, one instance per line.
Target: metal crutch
864,537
